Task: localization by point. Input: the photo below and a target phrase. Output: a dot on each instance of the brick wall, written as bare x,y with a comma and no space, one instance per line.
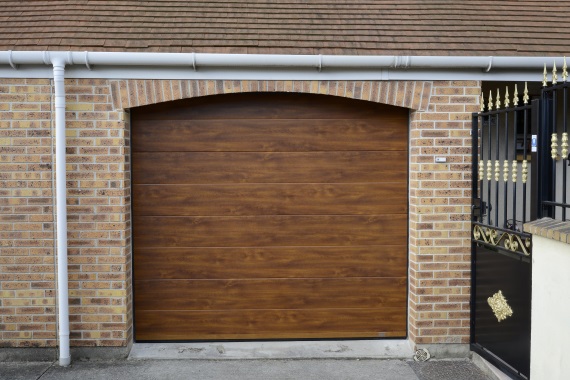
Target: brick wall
98,215
99,201
440,207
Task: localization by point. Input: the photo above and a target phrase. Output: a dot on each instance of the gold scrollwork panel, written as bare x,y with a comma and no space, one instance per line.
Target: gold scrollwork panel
511,241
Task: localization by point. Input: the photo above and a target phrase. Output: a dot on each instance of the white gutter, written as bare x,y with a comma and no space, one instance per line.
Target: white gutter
200,60
61,207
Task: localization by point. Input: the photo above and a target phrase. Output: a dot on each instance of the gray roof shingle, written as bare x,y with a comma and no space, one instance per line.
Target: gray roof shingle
361,27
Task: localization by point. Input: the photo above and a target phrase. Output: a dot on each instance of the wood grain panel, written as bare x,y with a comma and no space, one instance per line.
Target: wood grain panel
388,133
269,216
266,106
270,199
305,293
266,231
279,324
238,167
270,262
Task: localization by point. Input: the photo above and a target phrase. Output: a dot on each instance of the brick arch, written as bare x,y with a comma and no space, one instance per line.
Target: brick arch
133,93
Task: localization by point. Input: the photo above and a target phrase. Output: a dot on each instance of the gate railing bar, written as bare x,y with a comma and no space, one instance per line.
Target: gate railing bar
502,156
565,157
535,161
506,164
553,185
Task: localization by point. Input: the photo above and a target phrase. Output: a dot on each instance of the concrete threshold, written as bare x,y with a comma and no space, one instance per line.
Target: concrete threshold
345,349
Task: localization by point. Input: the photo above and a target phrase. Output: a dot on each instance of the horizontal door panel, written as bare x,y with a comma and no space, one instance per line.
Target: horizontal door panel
276,324
270,199
269,262
239,167
368,292
267,106
263,231
252,135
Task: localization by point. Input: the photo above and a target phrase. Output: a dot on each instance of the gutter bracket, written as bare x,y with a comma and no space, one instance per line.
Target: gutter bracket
45,57
87,61
490,65
320,67
10,61
194,61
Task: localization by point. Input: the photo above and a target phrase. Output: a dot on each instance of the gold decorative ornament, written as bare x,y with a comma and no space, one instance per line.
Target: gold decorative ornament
525,95
564,71
516,96
482,102
481,170
510,241
554,146
490,104
507,100
506,171
544,77
564,145
500,307
489,170
498,104
497,170
524,171
514,171
554,76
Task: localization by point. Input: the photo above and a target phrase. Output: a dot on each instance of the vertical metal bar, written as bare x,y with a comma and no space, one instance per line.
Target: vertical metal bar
515,125
525,140
482,181
505,170
497,166
564,158
489,169
538,115
552,131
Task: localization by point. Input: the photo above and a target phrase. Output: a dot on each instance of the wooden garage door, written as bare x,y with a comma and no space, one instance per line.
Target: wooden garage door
269,216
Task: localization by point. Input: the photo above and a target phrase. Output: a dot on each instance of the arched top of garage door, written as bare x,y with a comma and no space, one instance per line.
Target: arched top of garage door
127,94
266,122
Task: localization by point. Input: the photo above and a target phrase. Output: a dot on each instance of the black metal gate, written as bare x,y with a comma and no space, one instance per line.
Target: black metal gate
519,175
503,200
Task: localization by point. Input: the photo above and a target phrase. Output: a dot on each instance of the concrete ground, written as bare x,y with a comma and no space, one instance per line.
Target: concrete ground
310,369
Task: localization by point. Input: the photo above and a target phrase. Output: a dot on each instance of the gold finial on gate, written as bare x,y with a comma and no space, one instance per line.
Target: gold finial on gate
544,77
481,170
482,102
497,170
507,100
525,95
524,171
554,146
554,76
564,71
489,170
490,104
515,168
564,145
506,171
498,103
516,96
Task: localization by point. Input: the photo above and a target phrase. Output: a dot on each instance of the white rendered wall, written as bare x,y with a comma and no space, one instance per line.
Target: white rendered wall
550,326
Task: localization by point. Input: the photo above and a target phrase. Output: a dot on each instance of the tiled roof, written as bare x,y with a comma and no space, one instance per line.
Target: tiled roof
361,27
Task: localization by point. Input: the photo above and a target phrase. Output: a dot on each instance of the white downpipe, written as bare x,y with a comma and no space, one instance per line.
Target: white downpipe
197,60
61,207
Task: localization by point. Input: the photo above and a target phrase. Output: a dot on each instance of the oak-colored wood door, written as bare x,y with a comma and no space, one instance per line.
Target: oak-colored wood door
269,216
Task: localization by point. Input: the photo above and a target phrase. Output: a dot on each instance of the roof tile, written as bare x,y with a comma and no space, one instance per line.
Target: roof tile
380,27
